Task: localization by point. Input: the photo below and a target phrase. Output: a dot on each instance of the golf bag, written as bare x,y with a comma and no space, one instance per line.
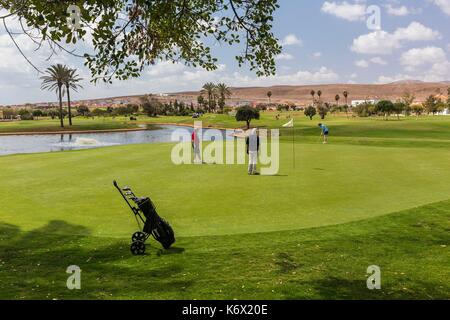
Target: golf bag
148,220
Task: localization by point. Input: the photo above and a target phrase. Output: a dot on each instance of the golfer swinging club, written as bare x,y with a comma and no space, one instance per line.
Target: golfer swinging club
324,133
252,143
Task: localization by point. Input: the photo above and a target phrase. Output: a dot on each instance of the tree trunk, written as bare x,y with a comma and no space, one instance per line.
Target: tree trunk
61,107
68,106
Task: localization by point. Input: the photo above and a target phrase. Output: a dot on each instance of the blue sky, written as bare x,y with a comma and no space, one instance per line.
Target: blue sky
324,42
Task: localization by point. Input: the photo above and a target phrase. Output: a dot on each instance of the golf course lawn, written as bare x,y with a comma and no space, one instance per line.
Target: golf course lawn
378,194
79,124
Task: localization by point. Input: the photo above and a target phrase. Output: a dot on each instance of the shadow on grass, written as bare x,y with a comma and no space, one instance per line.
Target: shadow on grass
275,175
338,287
285,263
170,251
33,265
411,247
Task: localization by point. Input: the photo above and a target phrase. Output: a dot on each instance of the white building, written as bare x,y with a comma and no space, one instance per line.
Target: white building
446,112
356,103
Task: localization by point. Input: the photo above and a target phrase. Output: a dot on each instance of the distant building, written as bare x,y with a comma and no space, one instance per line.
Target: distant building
241,103
446,112
356,103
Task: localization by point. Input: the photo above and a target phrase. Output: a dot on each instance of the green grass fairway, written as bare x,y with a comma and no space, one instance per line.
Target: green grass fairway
79,124
379,194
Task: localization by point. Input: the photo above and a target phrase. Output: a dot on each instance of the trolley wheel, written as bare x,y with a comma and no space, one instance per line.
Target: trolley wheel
139,236
137,248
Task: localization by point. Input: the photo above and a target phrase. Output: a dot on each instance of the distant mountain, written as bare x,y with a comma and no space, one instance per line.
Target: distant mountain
300,94
407,82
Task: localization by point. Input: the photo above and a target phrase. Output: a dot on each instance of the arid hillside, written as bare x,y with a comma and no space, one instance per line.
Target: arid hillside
302,94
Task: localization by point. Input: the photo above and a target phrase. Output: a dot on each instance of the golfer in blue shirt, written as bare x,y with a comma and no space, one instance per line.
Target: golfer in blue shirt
324,132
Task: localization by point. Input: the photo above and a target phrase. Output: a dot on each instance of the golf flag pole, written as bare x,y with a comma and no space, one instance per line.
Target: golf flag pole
290,124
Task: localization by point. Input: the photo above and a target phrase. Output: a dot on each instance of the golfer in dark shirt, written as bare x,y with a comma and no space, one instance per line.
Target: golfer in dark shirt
252,143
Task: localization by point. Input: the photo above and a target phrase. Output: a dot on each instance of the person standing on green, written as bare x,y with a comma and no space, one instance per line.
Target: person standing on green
324,132
252,142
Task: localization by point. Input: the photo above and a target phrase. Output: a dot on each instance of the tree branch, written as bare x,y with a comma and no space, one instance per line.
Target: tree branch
18,48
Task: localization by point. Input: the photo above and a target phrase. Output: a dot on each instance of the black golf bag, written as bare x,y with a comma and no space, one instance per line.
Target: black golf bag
149,222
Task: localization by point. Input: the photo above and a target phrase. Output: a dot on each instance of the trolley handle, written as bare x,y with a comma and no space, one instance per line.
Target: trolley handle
124,197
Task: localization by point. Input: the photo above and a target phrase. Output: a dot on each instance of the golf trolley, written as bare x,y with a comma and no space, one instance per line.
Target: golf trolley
148,220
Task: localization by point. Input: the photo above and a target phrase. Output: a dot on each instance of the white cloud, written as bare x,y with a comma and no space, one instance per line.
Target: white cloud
395,78
345,10
199,75
416,32
362,63
353,76
428,64
444,5
397,11
377,42
284,56
322,75
165,68
168,74
438,72
379,61
366,63
422,56
291,40
13,61
317,55
382,42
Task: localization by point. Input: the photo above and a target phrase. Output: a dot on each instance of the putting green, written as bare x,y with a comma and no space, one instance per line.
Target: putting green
331,184
370,197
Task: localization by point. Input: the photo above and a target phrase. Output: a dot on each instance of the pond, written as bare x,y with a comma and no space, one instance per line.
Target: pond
14,144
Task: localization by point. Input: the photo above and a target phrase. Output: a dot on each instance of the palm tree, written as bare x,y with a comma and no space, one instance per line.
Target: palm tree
345,93
210,90
71,82
54,81
346,96
313,94
269,95
337,98
319,93
223,92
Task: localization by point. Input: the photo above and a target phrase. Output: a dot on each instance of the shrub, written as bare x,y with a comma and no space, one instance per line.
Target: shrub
310,112
247,114
83,110
322,110
25,114
385,108
364,110
97,112
417,109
